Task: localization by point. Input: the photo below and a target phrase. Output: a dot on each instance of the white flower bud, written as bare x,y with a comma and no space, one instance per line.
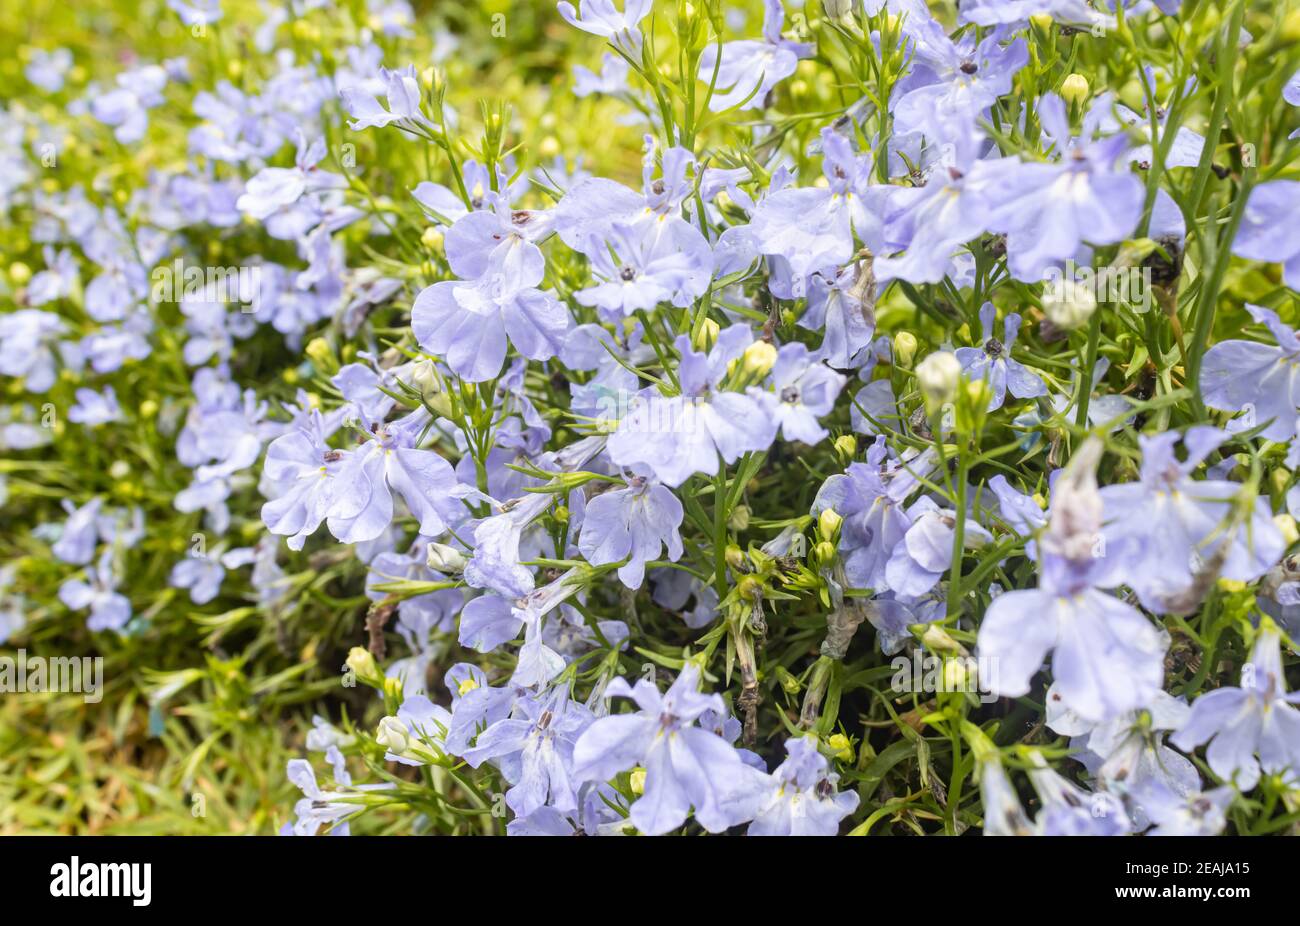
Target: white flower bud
938,375
445,559
393,736
1068,303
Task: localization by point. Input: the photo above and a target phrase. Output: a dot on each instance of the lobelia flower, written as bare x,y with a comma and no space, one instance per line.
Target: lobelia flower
125,108
402,87
276,190
803,391
469,323
533,748
803,800
694,428
842,306
1048,210
1251,728
1267,232
361,498
686,767
633,524
814,227
25,336
201,574
58,281
109,609
638,272
475,705
1068,810
80,534
1107,658
13,607
48,69
1202,813
196,12
490,620
925,553
1207,527
603,18
319,808
586,217
1127,754
993,364
870,497
94,409
751,68
1003,813
969,75
1257,378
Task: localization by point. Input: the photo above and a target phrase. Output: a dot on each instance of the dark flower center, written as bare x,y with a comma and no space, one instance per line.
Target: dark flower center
627,274
790,394
969,67
993,347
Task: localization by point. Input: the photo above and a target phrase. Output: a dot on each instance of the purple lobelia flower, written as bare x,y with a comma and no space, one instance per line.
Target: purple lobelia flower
361,498
533,748
925,554
468,323
1107,657
201,574
1254,727
632,524
1268,230
751,68
603,18
276,189
1257,378
993,364
94,409
638,271
1068,810
1048,210
970,74
838,307
25,338
80,533
491,620
814,227
803,392
1209,527
1202,813
475,705
802,800
402,89
692,429
109,609
686,767
871,498
298,478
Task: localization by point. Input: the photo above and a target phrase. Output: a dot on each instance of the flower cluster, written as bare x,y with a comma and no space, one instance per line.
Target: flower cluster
949,333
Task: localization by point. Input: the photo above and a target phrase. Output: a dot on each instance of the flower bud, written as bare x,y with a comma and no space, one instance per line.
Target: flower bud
432,239
824,552
739,519
393,735
121,469
828,523
707,335
789,683
445,559
1286,524
636,780
363,665
904,348
320,353
938,375
840,745
846,445
19,272
837,9
1075,90
937,640
758,359
735,556
750,588
1068,304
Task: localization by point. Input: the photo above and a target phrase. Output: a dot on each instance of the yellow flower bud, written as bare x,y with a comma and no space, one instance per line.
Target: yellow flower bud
750,588
19,272
739,519
636,780
904,348
734,556
1286,524
707,336
841,746
758,359
432,239
1075,90
846,445
549,147
828,523
148,408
